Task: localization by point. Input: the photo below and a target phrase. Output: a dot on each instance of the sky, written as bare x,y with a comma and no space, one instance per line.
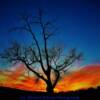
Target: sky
78,22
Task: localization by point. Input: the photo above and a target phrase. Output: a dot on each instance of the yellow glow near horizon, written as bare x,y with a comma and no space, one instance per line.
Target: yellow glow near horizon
82,79
77,86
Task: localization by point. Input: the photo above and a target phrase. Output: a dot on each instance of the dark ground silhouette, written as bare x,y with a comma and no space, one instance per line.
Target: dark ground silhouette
15,94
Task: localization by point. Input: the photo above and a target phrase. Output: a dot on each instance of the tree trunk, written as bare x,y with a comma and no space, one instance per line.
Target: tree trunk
49,88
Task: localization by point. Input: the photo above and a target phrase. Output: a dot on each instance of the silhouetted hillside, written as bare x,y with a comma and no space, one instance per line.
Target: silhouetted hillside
15,94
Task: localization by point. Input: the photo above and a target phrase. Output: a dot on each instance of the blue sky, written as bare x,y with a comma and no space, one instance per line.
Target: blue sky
78,22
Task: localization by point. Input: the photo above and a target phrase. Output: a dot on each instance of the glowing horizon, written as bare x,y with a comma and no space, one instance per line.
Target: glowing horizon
86,77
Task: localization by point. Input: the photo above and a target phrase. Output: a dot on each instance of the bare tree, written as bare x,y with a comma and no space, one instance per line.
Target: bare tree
51,59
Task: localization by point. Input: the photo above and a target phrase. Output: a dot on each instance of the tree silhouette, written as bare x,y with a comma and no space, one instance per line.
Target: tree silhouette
50,59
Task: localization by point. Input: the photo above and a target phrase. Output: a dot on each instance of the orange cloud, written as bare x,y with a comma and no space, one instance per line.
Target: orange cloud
86,77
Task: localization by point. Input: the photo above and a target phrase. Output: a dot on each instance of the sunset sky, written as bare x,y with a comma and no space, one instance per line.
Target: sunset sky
78,22
87,77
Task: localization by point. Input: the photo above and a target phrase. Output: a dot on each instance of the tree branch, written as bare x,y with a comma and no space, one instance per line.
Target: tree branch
45,44
36,73
29,29
57,77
